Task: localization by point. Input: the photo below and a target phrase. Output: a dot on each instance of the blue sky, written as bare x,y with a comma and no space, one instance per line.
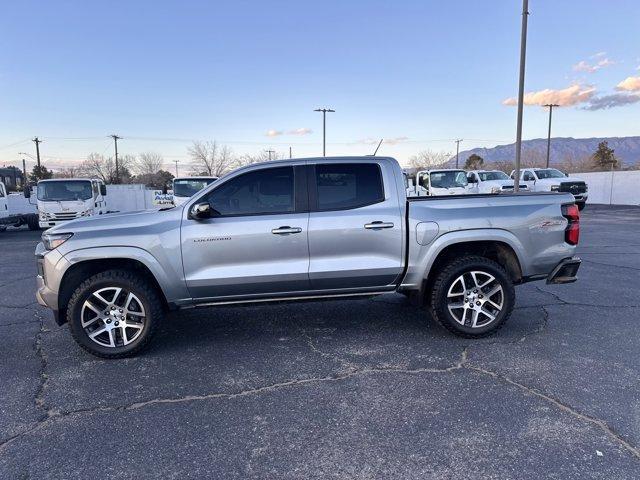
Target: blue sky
420,72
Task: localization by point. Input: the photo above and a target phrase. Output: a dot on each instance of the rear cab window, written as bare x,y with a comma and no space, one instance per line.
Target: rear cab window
342,186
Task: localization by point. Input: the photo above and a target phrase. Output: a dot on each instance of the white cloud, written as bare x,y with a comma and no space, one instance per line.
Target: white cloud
273,133
611,101
584,66
629,84
300,131
565,97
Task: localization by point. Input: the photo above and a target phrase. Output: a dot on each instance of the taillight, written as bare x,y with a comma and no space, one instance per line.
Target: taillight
572,232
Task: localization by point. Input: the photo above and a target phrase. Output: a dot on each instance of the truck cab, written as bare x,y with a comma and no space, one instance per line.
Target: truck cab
553,180
490,181
185,187
436,183
64,199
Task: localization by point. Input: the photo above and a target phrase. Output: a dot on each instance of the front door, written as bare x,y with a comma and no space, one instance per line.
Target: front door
257,245
355,226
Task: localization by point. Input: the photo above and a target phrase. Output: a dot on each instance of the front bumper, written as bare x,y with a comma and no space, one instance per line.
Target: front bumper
565,271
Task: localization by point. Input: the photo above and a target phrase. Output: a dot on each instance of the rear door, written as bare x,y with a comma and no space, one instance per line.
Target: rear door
355,230
257,245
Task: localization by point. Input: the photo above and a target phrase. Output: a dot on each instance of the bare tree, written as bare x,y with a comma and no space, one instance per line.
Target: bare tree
75,171
211,158
261,156
428,159
148,163
96,165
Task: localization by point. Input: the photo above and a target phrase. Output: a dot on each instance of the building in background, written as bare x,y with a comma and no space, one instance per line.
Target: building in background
12,177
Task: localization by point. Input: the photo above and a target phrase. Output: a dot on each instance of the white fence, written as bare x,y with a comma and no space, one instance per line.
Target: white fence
612,188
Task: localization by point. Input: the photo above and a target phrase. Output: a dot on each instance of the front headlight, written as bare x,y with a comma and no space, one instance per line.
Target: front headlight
496,190
87,213
555,188
54,240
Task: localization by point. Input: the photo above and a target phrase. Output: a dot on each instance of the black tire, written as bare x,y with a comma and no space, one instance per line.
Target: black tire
32,222
444,281
136,284
581,205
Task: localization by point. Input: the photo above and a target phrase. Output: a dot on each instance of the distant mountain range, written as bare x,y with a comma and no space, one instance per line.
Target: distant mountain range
627,149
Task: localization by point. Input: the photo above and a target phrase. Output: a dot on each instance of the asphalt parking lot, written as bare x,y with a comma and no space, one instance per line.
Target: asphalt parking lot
358,389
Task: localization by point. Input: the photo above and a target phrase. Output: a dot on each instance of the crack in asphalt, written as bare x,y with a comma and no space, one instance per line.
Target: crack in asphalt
601,424
581,304
44,378
18,306
610,264
17,280
53,415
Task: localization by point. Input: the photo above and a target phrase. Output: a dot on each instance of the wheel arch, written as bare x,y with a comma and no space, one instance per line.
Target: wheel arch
498,250
82,270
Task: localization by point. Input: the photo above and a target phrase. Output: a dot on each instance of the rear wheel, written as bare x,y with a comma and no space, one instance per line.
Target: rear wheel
114,314
472,297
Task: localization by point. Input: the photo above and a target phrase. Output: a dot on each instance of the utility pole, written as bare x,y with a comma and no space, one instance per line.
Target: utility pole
457,150
115,143
37,141
523,55
324,128
270,152
176,162
290,156
550,105
25,181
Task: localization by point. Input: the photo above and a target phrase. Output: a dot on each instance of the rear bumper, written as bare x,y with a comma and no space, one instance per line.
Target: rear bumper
565,271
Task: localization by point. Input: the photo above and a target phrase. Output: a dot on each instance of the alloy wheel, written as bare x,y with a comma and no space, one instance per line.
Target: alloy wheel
113,317
475,299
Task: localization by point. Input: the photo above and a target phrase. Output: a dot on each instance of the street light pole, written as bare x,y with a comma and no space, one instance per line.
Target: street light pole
523,55
324,128
550,105
457,150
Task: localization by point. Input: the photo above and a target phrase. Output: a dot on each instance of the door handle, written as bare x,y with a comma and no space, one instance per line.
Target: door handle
377,225
286,230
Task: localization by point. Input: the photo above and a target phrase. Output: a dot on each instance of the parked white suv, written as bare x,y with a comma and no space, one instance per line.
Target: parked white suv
490,181
553,180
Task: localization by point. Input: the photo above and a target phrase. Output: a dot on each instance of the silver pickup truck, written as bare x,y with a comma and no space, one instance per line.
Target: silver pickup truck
304,229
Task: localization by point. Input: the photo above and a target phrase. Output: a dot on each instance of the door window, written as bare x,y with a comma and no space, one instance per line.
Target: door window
265,191
343,186
528,177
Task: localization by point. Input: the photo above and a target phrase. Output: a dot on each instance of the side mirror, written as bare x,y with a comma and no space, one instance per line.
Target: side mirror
27,191
103,189
200,211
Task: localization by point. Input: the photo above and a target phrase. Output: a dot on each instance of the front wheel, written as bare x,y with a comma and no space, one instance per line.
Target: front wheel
472,297
114,314
581,205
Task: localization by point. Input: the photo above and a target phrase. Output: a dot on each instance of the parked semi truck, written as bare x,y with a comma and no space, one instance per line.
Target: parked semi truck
185,187
304,229
15,219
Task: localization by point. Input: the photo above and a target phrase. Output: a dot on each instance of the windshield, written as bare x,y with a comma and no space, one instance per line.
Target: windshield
64,190
186,187
486,176
549,173
451,179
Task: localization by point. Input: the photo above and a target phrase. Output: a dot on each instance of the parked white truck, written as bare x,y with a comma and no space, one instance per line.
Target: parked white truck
490,181
185,187
553,180
64,199
436,183
14,219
